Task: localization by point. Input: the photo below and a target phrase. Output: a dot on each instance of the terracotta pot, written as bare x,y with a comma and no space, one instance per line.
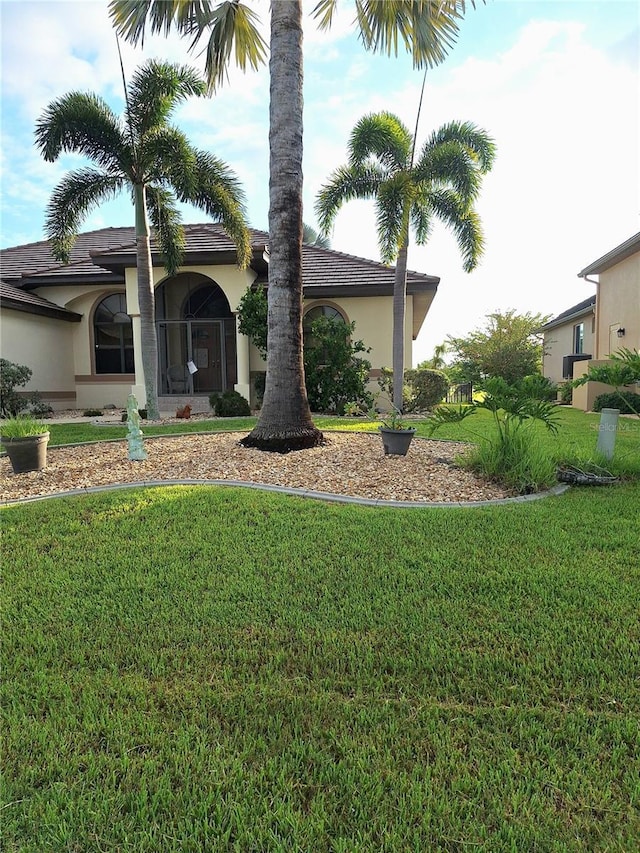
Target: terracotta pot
28,453
396,441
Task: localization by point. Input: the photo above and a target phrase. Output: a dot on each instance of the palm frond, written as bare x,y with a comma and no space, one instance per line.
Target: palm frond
393,202
427,29
83,123
450,164
130,17
233,28
345,184
167,224
77,194
421,216
381,136
480,145
218,192
323,12
311,237
165,154
156,89
463,222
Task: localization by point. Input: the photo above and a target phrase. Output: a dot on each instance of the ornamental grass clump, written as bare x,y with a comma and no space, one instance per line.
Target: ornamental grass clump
511,456
22,426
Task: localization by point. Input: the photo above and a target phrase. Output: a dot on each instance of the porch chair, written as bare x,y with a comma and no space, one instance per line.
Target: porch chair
179,379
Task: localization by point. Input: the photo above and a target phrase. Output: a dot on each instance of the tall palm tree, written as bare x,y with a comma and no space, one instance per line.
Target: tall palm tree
427,29
141,152
442,182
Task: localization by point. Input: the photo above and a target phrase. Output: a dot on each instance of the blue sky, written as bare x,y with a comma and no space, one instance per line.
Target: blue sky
555,83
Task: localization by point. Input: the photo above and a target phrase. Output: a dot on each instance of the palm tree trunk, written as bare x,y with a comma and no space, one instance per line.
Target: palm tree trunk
285,419
399,307
146,303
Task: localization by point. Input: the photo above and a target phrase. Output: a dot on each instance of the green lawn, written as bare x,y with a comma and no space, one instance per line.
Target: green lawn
216,669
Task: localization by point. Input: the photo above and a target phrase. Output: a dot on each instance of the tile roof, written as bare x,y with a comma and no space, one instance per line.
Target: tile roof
104,253
31,303
100,257
18,262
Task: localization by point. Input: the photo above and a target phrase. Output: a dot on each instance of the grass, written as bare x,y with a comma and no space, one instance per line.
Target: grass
191,669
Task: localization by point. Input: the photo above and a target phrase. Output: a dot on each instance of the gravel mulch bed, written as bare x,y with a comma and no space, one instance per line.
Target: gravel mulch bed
347,464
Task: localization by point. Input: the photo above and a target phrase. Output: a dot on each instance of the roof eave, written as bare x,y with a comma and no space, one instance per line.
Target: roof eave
41,310
615,256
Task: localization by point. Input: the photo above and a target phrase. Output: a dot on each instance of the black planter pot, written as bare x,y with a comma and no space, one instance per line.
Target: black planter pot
28,453
396,441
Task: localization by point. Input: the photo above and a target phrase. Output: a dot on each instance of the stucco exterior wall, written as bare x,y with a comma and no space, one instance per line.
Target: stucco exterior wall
584,395
618,306
558,342
45,345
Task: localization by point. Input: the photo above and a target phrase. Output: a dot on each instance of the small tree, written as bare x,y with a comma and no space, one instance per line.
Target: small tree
511,454
509,346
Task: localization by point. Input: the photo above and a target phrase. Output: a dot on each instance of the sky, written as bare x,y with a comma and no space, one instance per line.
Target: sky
555,84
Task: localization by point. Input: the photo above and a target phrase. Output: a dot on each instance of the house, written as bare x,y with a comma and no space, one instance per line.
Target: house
608,321
77,326
568,338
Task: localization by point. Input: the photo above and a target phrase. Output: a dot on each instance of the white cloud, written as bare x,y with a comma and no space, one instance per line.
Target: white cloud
564,188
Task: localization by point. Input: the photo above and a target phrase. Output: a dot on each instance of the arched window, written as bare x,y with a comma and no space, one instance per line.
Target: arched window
322,311
113,336
315,313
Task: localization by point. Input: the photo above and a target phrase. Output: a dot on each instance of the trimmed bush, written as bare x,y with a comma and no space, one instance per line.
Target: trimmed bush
231,404
626,401
13,376
427,388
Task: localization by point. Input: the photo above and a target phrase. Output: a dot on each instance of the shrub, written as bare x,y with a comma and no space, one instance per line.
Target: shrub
426,389
141,412
93,413
566,393
334,373
38,408
230,404
538,387
13,376
626,401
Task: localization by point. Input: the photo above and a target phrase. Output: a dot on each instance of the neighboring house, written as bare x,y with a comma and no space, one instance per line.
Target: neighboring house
568,338
617,321
77,326
608,321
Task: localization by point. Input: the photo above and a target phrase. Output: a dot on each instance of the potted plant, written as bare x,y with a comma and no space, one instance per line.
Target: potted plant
396,436
25,439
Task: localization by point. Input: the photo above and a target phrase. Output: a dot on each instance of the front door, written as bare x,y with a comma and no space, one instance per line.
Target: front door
185,344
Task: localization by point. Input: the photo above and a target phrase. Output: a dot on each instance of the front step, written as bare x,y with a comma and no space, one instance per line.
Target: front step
169,405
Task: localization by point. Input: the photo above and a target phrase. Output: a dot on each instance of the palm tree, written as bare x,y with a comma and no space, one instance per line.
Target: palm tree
442,183
154,160
427,29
